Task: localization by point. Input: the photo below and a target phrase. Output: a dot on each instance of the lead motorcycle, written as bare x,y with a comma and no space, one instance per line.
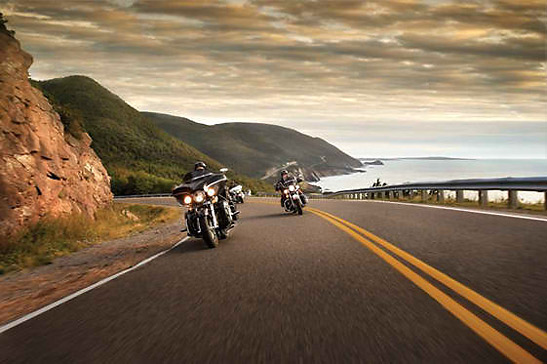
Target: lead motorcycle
209,215
293,198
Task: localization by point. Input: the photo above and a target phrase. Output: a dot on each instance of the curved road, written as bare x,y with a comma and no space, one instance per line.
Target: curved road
402,284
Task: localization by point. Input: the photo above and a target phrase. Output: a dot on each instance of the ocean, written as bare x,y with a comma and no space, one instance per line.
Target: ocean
422,170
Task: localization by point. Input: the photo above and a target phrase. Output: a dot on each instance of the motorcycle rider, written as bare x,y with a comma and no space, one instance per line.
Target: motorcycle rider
285,180
200,170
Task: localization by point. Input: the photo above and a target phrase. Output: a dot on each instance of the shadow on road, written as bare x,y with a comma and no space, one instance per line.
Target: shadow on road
190,246
268,216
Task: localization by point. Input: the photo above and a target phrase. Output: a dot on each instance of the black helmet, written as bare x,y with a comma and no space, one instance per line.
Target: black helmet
199,164
284,172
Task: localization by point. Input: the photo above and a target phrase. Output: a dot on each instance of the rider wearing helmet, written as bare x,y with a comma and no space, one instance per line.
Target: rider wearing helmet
199,165
284,177
200,169
285,180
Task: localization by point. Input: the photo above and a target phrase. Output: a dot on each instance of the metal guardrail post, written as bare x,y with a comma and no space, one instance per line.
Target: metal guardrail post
440,196
513,199
459,196
483,198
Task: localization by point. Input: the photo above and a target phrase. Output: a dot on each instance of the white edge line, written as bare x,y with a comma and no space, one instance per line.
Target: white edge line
504,214
516,216
52,305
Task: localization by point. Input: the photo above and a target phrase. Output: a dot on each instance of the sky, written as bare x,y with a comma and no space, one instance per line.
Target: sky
376,78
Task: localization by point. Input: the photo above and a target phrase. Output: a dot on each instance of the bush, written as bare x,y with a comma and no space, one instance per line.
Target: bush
126,182
49,238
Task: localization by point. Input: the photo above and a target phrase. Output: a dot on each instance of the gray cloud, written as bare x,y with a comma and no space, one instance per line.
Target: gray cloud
320,66
123,3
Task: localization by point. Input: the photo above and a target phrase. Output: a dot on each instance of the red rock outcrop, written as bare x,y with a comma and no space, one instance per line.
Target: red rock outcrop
43,171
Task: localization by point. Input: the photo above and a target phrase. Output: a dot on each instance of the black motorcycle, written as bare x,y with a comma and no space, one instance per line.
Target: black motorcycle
209,215
293,198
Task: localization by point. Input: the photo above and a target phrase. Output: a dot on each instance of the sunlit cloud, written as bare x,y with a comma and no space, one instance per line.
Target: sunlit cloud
382,69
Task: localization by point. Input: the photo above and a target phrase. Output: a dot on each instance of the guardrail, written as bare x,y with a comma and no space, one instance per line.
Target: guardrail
121,197
437,190
427,190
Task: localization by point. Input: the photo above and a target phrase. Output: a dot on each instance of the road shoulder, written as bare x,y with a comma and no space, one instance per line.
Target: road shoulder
28,290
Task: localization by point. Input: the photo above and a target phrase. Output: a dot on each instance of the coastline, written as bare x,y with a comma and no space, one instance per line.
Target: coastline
410,170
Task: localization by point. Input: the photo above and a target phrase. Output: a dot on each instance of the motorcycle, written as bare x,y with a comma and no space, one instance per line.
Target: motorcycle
209,215
293,198
237,194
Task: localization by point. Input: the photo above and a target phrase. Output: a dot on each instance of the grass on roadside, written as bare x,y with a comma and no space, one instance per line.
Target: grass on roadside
497,205
50,238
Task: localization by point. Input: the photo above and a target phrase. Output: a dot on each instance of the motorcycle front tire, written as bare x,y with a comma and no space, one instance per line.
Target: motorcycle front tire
223,233
299,208
208,233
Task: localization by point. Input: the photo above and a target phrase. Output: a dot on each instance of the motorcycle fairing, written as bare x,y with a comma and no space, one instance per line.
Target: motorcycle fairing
198,183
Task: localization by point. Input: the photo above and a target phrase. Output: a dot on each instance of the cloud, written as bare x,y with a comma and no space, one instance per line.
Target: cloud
308,64
123,3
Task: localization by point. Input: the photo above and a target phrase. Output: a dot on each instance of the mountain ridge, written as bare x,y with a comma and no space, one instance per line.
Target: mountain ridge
256,148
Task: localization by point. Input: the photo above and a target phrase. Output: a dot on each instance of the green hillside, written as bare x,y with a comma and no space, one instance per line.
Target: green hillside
253,148
140,157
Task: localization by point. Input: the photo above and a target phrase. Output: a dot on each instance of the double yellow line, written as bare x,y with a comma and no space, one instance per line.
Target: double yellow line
503,344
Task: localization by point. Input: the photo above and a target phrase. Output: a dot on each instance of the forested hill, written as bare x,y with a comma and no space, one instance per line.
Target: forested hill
255,149
138,155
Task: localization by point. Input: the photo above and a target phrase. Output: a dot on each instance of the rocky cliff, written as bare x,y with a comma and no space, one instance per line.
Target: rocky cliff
43,170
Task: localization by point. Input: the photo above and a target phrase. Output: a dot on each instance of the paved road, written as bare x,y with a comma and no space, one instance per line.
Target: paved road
301,289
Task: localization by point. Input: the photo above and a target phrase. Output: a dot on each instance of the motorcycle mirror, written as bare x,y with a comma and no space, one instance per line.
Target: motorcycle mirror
224,170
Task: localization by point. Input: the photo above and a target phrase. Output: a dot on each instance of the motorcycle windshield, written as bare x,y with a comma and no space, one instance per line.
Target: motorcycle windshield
198,183
216,179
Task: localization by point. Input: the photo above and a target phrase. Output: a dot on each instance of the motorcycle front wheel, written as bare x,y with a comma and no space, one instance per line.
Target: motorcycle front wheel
208,233
299,208
223,233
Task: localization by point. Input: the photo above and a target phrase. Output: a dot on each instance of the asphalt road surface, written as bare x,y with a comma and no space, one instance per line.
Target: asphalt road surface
471,288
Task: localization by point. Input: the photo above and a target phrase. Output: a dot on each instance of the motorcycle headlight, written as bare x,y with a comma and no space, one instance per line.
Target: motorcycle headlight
211,191
291,188
286,191
199,196
187,199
